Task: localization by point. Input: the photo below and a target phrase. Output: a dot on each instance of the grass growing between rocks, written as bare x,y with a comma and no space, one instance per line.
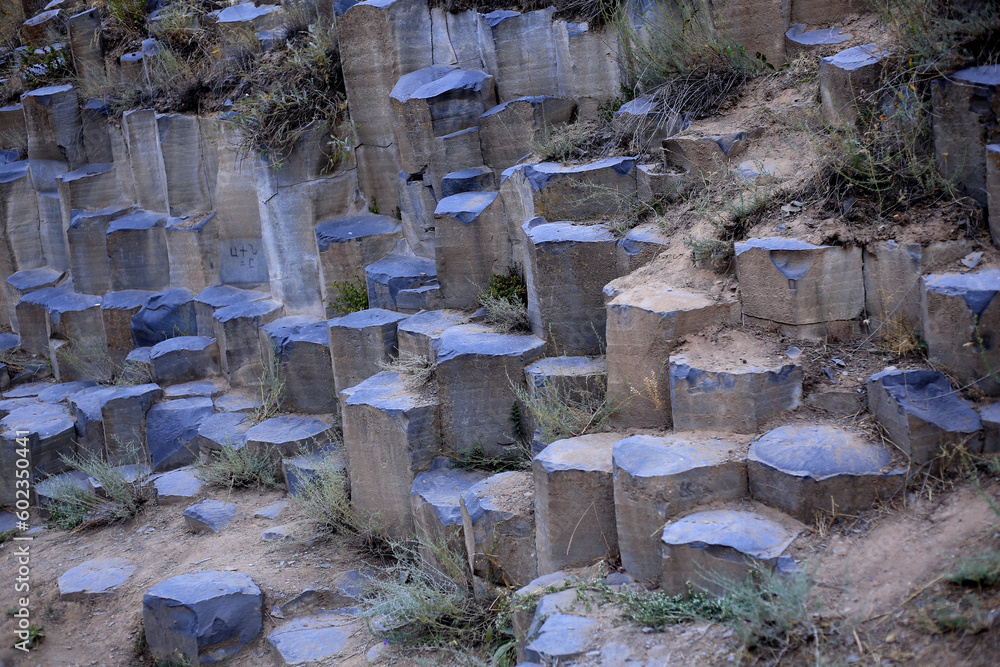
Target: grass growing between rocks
506,302
349,296
241,468
123,496
429,598
271,390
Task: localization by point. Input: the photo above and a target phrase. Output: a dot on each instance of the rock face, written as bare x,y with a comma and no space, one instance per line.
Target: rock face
94,579
207,617
498,518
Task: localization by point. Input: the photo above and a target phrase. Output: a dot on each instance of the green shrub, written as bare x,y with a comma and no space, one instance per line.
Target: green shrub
506,302
246,467
349,296
129,14
936,36
981,570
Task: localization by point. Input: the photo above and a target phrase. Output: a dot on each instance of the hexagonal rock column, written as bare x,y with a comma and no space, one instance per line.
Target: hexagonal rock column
701,155
498,517
347,245
137,248
555,191
207,616
19,216
289,435
805,470
643,324
215,297
435,508
391,432
706,550
434,102
300,348
394,274
87,247
92,187
419,336
659,478
124,417
76,318
574,502
50,435
519,48
172,430
640,246
921,413
964,115
359,341
845,79
117,309
193,250
809,291
164,315
475,367
960,316
53,122
507,130
237,328
86,406
22,283
470,244
892,272
94,579
566,269
33,319
711,390
183,359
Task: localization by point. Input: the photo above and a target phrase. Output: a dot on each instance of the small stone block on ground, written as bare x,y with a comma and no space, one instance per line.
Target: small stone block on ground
710,549
94,579
177,486
209,516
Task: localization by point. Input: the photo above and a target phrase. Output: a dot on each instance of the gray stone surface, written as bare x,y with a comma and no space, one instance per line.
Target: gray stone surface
215,297
659,478
470,244
278,534
641,245
643,325
209,516
582,379
473,179
306,640
347,245
386,277
177,486
645,122
434,505
237,329
49,432
183,359
921,414
391,433
60,392
289,434
698,156
94,579
172,430
562,637
117,310
708,549
137,250
195,389
272,510
124,417
566,269
221,430
818,290
475,405
574,502
419,336
799,41
207,616
498,518
300,348
86,407
164,315
806,470
565,192
960,314
359,342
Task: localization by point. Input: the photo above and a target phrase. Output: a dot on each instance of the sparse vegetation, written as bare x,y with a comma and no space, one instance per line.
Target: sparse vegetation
129,14
563,411
349,296
271,390
243,467
418,368
981,570
937,36
436,602
516,457
124,496
506,302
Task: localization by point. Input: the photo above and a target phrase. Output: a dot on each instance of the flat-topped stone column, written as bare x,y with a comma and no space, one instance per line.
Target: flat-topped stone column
137,248
300,350
507,130
237,329
499,522
359,342
809,291
470,244
846,80
659,478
